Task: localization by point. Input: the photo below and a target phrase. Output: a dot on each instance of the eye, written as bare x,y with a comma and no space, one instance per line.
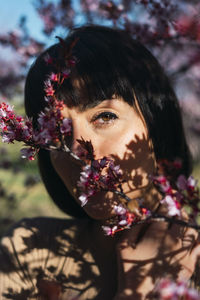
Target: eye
104,118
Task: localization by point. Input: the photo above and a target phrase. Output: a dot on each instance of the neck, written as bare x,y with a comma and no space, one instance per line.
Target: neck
151,197
100,241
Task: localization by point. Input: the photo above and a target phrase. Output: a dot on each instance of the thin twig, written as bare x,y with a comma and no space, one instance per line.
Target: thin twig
121,194
156,217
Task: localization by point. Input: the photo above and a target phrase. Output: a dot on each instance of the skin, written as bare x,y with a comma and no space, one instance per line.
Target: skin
117,130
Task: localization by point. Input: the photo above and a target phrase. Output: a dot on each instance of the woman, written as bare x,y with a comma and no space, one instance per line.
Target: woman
118,97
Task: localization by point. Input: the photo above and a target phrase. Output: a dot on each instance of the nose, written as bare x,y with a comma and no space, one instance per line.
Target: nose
79,131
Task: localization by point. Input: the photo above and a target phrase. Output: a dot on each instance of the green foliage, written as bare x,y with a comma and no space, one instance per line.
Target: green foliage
22,193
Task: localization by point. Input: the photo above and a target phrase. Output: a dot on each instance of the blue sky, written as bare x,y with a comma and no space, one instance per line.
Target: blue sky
10,12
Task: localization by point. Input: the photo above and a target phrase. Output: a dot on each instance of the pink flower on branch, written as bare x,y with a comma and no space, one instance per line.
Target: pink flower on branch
188,26
28,153
110,230
125,219
173,207
13,127
48,59
66,126
52,127
49,90
168,289
100,175
53,77
184,183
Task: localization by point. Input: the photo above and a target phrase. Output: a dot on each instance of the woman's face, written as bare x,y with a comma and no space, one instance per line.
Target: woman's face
116,130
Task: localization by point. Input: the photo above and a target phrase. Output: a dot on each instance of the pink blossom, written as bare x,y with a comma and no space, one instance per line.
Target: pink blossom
16,128
103,162
43,137
49,90
27,133
188,26
120,210
191,182
115,169
66,73
123,221
109,230
3,113
171,205
163,183
184,184
72,62
101,175
95,164
66,126
42,119
53,77
28,153
8,137
168,289
160,179
5,110
3,126
84,177
48,59
83,199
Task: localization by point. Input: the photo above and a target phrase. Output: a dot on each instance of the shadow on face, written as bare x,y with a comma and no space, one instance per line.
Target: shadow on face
136,164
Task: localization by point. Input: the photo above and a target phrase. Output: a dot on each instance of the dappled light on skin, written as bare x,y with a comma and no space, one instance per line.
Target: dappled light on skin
137,163
55,251
100,206
166,255
135,177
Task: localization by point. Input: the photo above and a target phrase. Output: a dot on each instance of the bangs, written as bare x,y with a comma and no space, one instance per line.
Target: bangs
98,74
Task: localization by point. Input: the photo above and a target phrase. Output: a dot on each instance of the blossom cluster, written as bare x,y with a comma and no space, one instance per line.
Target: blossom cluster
16,128
171,290
125,219
184,193
103,175
100,175
52,127
111,10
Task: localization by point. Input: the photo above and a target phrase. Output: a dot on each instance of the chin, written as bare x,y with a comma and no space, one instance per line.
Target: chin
100,206
98,214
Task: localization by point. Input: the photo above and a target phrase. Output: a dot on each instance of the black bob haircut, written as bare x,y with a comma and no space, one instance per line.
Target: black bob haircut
109,62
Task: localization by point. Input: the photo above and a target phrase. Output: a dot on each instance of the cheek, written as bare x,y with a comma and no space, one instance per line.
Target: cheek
122,140
132,150
100,206
67,169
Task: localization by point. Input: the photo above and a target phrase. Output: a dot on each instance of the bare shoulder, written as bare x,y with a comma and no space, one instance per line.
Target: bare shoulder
42,233
39,249
33,242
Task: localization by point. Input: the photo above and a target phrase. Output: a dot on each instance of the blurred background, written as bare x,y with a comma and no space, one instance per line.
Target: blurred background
170,29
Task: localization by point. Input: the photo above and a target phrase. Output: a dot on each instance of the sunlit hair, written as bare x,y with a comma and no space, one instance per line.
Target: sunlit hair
109,62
